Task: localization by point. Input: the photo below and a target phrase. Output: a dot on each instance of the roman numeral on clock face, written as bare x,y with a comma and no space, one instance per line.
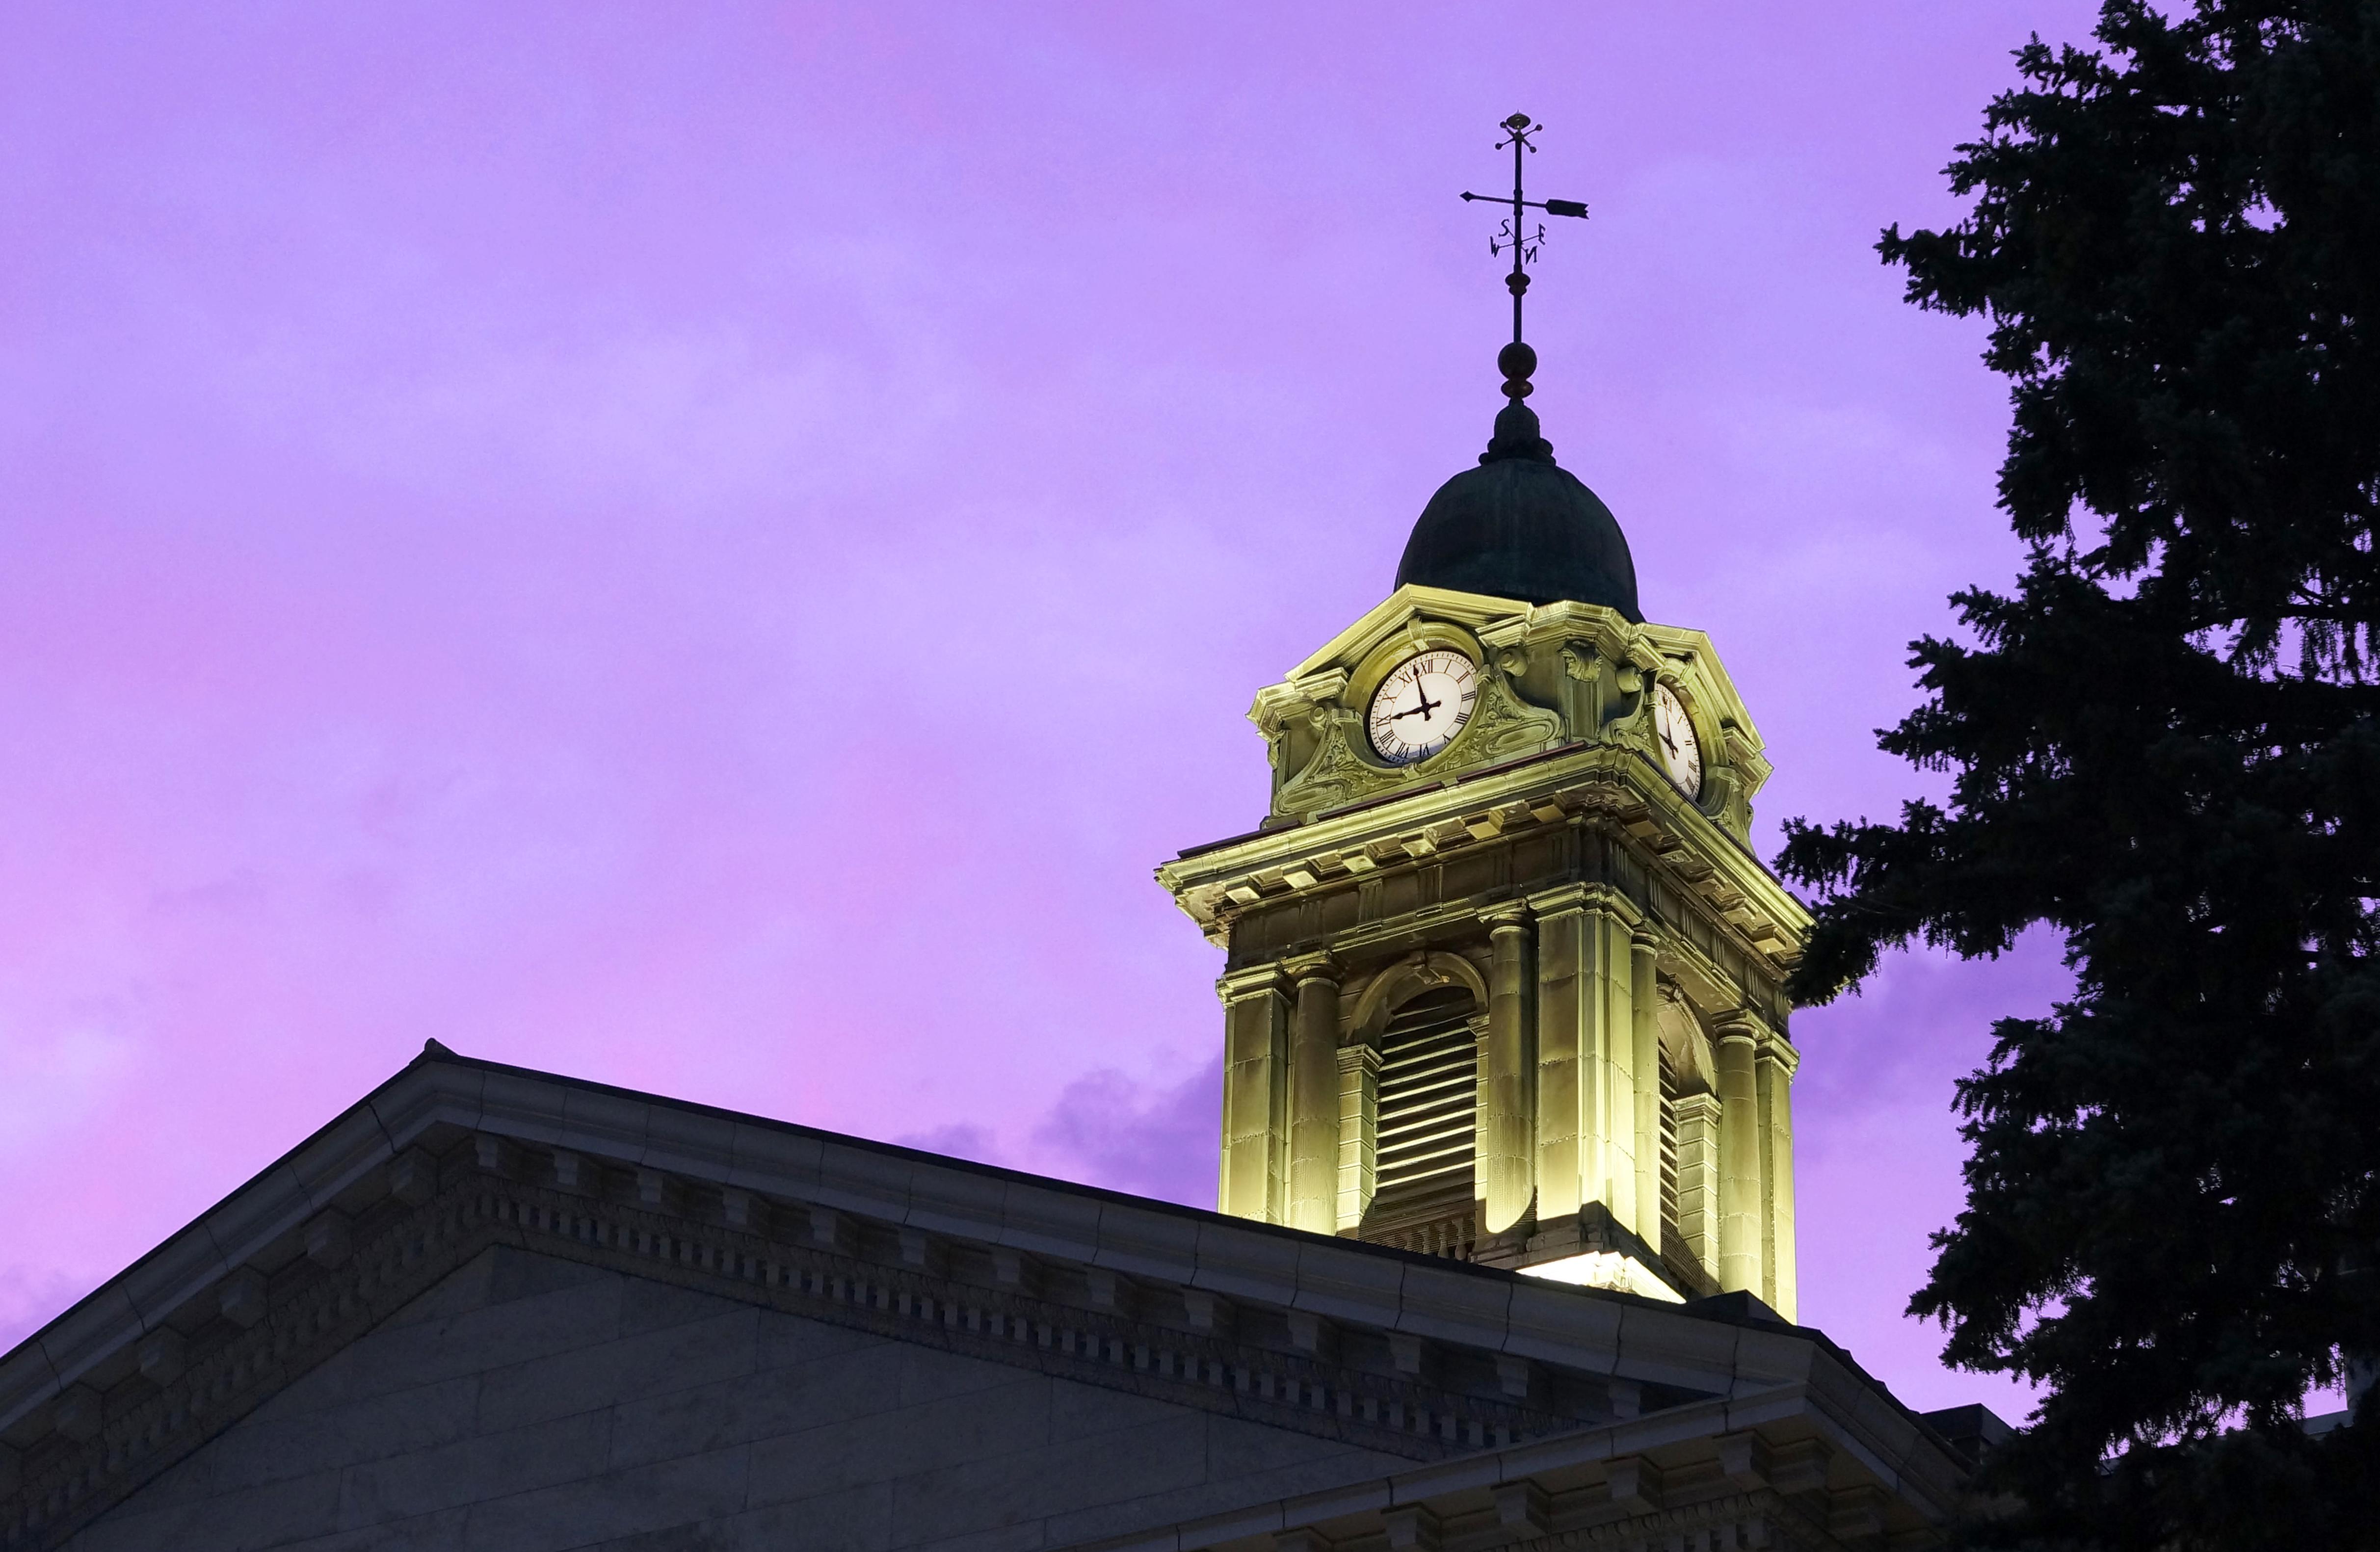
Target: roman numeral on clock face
1421,705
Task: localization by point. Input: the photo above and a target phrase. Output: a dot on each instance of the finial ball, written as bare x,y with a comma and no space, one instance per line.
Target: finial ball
1516,361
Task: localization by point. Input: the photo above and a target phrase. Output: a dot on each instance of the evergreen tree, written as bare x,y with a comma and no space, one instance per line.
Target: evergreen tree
2165,745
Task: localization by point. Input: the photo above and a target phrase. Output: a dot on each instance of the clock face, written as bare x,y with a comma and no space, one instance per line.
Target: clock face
1680,751
1422,705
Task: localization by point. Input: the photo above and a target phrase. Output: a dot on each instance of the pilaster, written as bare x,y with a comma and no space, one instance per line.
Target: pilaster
1644,1011
1359,1132
1506,1143
1313,1095
1615,1115
1256,1091
1698,1214
1566,1017
1585,1115
1773,1072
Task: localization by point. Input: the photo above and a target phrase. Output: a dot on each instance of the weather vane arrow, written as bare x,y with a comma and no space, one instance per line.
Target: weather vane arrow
1515,234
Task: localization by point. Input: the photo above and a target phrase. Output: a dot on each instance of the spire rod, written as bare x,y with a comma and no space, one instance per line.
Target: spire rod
1516,425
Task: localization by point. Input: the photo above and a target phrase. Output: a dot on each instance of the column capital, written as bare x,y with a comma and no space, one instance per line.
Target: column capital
1568,897
1360,1055
1505,913
1741,1027
1316,966
1572,898
1775,1048
1257,980
1750,1016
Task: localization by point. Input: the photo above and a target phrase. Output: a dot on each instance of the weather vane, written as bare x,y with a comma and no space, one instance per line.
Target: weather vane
1515,235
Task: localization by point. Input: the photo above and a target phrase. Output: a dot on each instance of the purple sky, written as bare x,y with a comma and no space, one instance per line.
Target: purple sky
713,548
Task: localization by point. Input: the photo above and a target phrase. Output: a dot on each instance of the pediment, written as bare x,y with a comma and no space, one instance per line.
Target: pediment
1346,1346
526,1400
1397,612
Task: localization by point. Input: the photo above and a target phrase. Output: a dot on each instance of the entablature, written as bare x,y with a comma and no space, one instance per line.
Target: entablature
1493,830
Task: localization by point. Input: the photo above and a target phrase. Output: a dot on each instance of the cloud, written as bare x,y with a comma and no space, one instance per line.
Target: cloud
51,1085
1138,1137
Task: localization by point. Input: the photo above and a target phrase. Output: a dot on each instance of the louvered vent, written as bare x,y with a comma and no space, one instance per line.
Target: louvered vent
1429,1079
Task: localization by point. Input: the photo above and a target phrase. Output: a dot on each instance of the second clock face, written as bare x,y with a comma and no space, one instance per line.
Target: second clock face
1422,705
1681,752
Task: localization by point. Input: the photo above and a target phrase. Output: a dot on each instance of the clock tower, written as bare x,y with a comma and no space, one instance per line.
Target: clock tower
1504,977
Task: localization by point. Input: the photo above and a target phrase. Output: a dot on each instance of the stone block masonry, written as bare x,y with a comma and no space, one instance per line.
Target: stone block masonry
530,1403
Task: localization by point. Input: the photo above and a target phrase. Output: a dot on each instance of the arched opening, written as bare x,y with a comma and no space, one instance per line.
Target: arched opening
1423,1198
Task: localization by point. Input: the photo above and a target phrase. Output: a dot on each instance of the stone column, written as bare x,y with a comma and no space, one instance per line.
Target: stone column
1314,1097
1740,1228
1256,1090
1505,1130
1774,1075
1359,1132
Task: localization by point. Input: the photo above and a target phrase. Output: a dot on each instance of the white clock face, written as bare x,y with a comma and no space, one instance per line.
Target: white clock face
1681,752
1422,705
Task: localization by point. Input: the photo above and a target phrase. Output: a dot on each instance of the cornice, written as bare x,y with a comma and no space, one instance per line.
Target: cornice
855,1272
452,1155
1612,786
904,1291
1786,1469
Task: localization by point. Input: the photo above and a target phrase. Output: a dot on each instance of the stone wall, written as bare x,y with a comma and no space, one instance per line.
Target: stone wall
528,1404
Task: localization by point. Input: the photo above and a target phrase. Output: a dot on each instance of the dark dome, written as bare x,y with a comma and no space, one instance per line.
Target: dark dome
1520,527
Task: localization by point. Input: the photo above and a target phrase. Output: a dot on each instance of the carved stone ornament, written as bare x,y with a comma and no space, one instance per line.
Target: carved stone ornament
1506,726
1335,775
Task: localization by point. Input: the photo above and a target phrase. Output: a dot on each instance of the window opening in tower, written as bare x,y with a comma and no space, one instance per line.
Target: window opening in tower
1428,1098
